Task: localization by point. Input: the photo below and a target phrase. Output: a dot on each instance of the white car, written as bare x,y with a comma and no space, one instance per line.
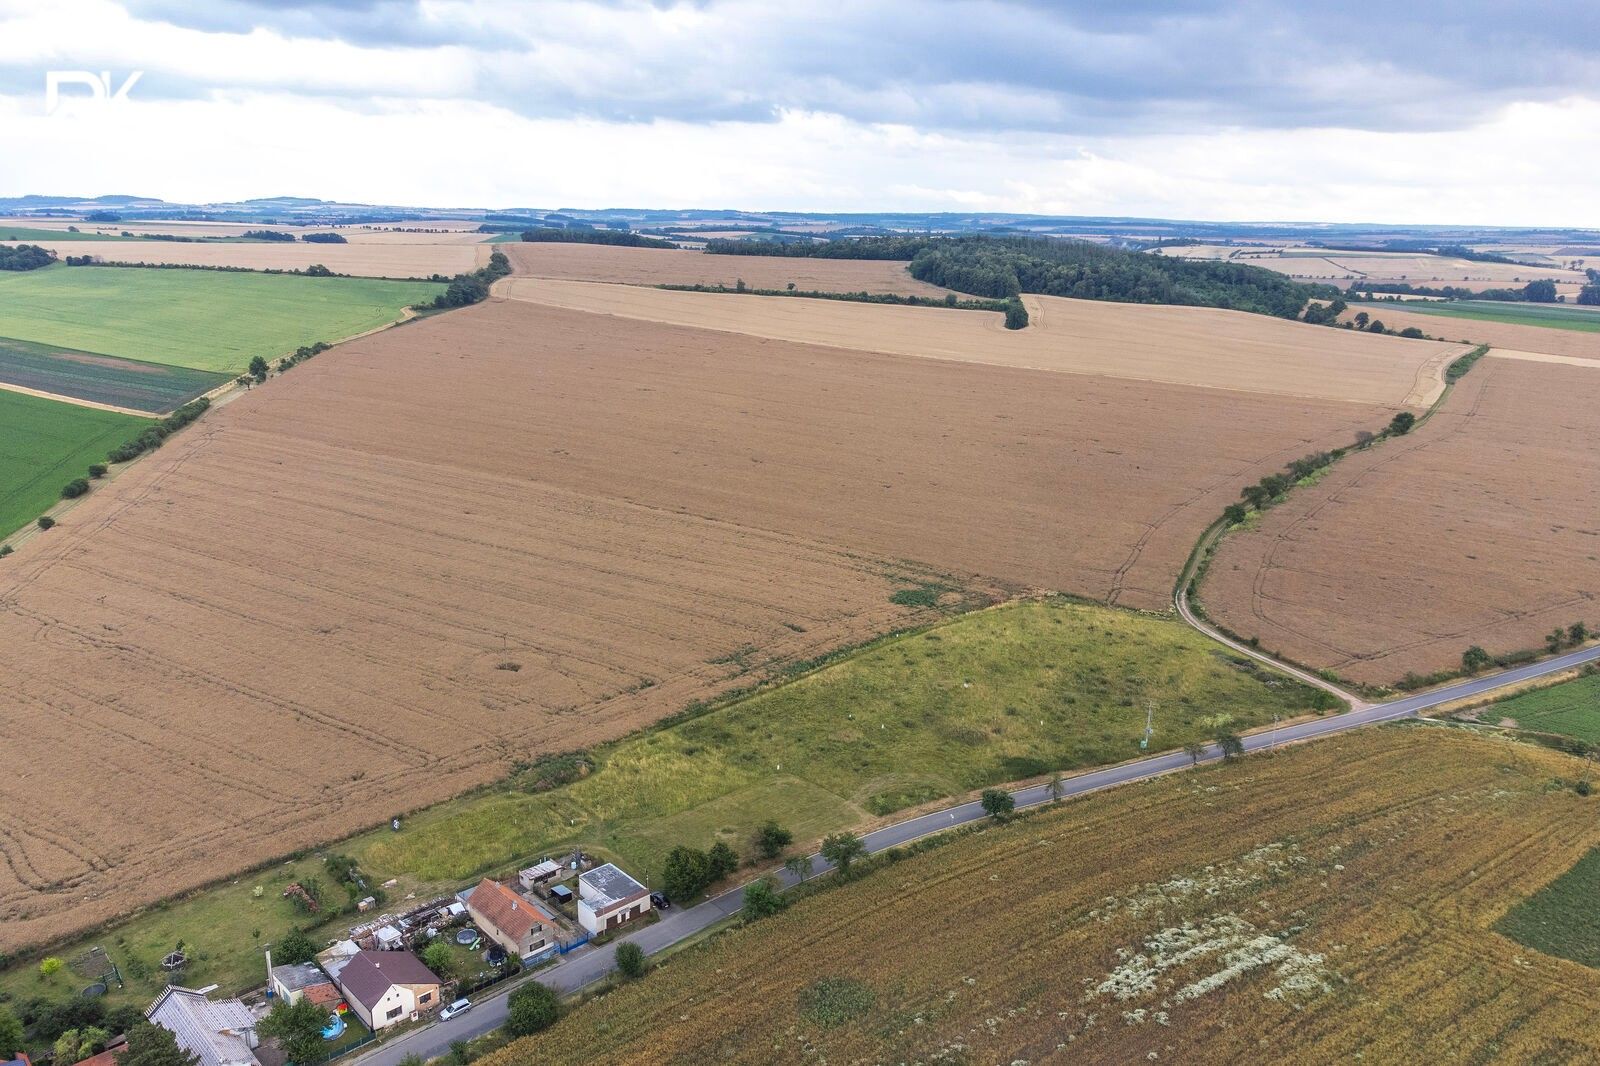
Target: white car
455,1010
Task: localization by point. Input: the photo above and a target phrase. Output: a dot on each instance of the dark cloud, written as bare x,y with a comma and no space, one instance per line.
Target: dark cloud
1136,66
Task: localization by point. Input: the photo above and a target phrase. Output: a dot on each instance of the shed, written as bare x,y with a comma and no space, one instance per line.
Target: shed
538,874
561,893
389,938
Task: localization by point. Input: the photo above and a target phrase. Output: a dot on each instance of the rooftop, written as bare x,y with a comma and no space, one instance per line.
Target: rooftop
295,976
605,886
214,1030
369,974
506,910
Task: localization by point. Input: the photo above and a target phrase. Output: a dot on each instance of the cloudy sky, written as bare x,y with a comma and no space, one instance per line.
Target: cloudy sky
1419,111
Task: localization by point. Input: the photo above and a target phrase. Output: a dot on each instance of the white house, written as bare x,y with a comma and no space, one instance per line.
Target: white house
387,987
218,1032
607,897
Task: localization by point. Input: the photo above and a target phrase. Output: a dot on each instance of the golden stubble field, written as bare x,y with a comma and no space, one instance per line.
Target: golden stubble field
1481,527
1331,903
386,576
384,256
678,266
1176,345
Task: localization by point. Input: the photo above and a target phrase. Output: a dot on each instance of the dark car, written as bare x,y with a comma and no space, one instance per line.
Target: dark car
659,902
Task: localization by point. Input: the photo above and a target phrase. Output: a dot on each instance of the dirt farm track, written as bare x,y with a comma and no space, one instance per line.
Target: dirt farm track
382,578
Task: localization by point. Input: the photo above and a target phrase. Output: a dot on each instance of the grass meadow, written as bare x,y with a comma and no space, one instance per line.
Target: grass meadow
44,444
1562,919
988,697
1571,708
211,320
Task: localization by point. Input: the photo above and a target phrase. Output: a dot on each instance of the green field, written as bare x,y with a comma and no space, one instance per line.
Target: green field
202,319
1554,316
102,378
1563,918
1571,708
30,234
43,445
989,697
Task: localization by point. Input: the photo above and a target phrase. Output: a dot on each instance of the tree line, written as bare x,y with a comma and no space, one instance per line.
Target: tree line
25,257
467,289
1005,267
620,238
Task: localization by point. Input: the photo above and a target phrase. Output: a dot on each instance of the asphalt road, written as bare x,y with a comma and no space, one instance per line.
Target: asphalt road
590,964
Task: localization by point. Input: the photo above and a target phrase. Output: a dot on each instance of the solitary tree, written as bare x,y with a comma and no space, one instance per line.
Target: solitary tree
1195,749
772,838
294,947
685,873
1361,319
1577,633
723,860
842,849
799,865
258,368
298,1029
761,899
1232,746
1474,659
438,957
1555,639
630,960
1401,423
533,1007
151,1045
1056,787
11,1036
50,966
997,803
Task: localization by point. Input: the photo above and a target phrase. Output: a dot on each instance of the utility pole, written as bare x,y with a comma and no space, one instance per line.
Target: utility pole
1149,724
1274,743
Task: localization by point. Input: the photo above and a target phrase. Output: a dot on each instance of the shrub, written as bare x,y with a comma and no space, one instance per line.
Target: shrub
1474,659
97,470
761,899
50,966
78,486
630,960
294,947
533,1008
685,873
997,803
1401,423
46,522
771,839
723,860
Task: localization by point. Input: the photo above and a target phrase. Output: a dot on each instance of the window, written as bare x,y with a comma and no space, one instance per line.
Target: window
426,997
392,1015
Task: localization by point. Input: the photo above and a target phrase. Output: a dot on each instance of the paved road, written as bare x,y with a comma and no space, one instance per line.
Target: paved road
590,964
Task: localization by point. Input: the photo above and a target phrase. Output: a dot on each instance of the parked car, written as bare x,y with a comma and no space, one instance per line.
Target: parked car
659,902
455,1010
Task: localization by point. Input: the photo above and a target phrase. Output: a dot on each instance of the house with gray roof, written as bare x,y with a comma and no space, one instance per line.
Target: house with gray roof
607,897
219,1032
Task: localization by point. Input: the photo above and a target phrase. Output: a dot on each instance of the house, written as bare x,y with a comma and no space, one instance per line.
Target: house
386,987
517,924
607,897
305,980
534,876
333,959
220,1032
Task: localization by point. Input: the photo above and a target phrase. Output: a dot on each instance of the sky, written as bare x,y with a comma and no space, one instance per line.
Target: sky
1466,112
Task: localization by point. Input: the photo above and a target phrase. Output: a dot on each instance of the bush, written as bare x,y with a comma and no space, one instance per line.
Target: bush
46,522
723,860
97,470
294,947
50,966
685,873
630,960
1474,659
998,803
78,486
771,839
1401,423
1016,314
761,900
533,1008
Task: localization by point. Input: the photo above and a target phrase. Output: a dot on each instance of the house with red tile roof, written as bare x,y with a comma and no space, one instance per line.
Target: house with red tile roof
511,920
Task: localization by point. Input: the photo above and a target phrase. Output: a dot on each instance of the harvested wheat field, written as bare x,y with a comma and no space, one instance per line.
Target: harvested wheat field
1480,527
515,529
1334,903
1513,335
1178,345
678,266
379,259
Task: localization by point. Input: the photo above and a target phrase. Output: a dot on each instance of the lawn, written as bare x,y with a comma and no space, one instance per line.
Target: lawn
44,444
202,319
988,697
1571,708
1555,316
1561,919
102,378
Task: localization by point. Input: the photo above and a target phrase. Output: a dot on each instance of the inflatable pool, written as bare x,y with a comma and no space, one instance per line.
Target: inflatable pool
334,1029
